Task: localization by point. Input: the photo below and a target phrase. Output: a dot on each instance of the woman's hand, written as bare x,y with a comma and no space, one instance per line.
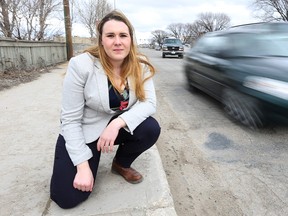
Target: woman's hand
84,179
107,138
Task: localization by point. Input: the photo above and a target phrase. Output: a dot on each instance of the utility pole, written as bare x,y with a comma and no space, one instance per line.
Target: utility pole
69,45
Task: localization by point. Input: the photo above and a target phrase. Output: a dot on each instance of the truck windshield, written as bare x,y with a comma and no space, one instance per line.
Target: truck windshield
172,41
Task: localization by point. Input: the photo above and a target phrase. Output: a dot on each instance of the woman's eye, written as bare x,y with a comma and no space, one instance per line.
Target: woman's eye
110,36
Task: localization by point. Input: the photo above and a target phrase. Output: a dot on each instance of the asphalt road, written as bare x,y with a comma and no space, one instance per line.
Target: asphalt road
214,166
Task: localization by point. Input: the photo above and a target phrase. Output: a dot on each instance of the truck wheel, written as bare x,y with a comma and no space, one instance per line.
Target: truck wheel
163,55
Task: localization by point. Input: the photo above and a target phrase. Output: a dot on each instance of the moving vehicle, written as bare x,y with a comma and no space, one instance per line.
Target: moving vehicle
245,69
264,26
172,46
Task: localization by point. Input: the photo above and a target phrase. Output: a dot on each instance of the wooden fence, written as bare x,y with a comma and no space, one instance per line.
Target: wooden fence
27,55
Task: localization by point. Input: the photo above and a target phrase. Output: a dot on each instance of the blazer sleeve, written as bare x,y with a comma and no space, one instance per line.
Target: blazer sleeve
72,112
141,110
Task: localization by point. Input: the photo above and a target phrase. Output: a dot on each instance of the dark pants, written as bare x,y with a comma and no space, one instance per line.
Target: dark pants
130,147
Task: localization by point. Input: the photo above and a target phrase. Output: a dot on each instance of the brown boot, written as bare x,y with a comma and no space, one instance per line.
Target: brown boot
129,174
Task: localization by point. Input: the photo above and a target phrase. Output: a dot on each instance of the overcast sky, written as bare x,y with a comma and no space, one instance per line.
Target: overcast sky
149,15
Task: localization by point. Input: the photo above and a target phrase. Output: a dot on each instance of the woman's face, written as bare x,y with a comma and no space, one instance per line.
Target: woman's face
116,40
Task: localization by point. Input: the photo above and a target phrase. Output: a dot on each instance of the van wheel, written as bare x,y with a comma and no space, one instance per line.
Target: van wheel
189,80
243,109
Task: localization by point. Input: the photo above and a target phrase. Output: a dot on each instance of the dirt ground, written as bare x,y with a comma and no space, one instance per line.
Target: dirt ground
174,146
12,78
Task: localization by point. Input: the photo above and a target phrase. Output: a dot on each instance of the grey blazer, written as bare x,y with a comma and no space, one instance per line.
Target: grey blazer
85,108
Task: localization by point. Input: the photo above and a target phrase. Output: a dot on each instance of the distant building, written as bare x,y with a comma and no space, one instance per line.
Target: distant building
79,43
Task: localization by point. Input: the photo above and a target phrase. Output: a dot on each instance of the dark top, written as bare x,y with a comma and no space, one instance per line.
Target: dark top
118,101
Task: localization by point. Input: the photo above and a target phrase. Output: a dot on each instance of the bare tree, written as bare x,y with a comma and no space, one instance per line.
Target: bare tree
5,22
209,22
158,36
26,19
90,12
29,15
176,29
192,32
271,10
206,22
188,33
45,9
8,10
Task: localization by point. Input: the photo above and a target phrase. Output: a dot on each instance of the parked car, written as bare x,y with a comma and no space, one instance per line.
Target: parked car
158,48
172,46
245,69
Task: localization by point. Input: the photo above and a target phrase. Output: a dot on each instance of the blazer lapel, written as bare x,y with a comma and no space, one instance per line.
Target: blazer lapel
102,86
132,96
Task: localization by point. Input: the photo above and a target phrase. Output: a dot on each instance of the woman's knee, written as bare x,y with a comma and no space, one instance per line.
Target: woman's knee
153,128
65,204
149,129
65,201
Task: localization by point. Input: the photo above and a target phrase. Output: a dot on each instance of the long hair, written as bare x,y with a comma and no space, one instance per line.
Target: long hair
131,66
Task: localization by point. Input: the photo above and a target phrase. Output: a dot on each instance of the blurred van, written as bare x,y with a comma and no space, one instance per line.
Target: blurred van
245,68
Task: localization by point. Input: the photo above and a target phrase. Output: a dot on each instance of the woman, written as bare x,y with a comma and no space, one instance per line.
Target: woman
108,99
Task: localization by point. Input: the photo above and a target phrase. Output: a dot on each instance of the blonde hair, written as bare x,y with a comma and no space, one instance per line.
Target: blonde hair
131,66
